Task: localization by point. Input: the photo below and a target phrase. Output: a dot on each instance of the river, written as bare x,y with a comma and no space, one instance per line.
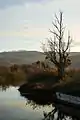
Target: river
15,107
19,106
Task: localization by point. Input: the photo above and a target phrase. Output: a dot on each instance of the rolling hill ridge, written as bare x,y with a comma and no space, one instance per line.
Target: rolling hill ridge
28,57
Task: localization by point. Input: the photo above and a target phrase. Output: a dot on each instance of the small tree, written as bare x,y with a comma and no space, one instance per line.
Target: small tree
58,50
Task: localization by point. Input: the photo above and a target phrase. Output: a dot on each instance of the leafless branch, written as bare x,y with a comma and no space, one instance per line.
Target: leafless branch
58,49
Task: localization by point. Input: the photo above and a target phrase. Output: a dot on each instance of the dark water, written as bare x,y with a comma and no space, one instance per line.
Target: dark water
13,106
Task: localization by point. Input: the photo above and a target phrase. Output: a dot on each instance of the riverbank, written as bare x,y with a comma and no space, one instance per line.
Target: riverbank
47,81
37,79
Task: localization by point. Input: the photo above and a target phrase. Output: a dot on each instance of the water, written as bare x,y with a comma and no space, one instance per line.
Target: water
13,106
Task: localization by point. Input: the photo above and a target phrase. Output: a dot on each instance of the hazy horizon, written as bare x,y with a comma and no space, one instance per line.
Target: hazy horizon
20,50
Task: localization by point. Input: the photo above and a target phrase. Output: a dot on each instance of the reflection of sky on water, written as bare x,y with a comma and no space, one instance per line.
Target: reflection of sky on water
12,106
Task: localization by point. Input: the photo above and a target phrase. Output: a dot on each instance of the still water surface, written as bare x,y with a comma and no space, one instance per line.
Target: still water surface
13,106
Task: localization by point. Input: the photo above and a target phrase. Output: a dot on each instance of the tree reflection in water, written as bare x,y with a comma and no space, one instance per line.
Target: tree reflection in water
59,115
3,87
59,112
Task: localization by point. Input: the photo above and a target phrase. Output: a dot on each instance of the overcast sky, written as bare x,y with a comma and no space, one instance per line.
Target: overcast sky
24,24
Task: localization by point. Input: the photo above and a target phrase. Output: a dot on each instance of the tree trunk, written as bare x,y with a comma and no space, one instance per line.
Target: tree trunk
61,71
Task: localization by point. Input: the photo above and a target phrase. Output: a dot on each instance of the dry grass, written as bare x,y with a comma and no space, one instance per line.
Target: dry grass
71,83
17,74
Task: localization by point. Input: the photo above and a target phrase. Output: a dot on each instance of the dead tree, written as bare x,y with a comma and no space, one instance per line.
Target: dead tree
58,49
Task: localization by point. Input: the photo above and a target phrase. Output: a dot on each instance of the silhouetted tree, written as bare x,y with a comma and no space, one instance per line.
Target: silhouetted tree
60,115
58,50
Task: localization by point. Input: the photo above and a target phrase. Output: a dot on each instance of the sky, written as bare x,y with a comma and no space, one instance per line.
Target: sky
25,24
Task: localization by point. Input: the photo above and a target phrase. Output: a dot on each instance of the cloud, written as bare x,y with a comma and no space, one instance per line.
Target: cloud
7,3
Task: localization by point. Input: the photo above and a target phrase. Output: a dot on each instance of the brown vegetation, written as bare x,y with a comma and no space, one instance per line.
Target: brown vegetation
38,77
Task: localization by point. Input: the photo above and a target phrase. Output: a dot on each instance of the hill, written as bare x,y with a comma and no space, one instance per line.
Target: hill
20,57
28,57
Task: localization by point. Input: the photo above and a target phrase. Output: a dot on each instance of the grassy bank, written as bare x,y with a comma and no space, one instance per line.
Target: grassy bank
39,78
71,83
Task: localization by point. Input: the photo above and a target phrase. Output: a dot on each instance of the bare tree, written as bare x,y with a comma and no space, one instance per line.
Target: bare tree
58,49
